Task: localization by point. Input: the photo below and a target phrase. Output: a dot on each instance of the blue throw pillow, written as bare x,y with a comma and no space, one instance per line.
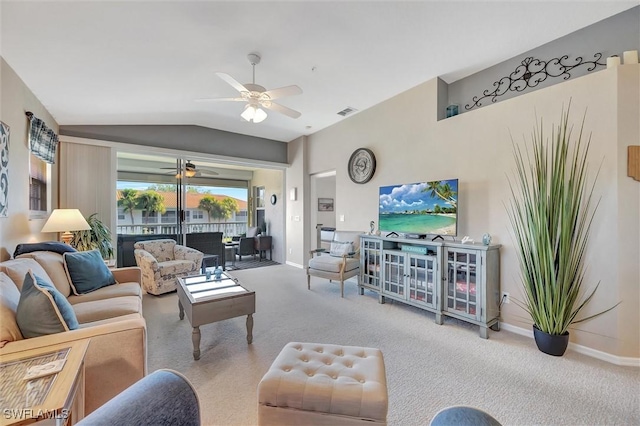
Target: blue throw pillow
42,309
87,271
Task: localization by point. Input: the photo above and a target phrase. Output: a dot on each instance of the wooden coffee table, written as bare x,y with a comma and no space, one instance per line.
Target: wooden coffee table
209,300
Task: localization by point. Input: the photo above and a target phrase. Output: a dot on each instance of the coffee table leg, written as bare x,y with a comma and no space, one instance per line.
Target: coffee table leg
249,328
195,336
181,314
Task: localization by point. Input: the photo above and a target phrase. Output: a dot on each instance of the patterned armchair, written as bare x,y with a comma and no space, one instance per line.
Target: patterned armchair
162,261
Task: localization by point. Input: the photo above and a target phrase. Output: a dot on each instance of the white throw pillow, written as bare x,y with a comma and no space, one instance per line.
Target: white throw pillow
339,248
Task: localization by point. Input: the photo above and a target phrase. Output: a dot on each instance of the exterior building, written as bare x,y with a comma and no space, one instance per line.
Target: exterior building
196,219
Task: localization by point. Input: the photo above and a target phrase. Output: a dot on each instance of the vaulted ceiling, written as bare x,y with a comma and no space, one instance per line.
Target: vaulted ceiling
146,62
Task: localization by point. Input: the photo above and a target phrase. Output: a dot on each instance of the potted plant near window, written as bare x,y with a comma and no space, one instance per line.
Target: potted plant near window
551,212
98,237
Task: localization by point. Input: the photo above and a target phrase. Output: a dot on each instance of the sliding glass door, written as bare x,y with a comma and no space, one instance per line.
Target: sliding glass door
168,197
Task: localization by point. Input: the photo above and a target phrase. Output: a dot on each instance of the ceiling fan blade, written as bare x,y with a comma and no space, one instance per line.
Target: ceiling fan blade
232,82
220,99
283,91
281,109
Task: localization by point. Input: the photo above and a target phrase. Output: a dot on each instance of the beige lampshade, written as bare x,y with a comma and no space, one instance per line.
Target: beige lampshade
66,220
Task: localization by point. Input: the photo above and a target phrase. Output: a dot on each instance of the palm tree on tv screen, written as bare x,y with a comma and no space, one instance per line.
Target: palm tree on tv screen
442,191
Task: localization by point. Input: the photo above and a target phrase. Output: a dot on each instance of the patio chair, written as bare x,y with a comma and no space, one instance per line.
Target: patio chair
209,243
247,244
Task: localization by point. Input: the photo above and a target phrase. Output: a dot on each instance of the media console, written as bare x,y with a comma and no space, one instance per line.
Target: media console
444,277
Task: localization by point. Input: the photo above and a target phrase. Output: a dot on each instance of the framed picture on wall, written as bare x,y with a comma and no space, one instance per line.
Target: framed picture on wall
4,170
325,204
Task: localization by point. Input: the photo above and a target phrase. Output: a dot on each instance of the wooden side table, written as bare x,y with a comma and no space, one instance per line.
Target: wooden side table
55,399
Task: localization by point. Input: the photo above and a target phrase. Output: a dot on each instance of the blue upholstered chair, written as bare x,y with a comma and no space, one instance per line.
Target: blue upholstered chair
162,398
463,416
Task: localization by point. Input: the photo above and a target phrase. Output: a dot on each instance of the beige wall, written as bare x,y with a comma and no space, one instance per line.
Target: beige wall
297,213
90,195
15,100
273,181
411,145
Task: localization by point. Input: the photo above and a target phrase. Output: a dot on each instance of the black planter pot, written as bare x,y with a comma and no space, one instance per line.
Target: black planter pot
551,344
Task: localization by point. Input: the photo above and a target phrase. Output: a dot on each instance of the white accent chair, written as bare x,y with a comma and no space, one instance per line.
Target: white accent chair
162,261
340,262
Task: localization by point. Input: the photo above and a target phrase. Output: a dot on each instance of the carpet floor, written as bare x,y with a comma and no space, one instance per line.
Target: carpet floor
428,366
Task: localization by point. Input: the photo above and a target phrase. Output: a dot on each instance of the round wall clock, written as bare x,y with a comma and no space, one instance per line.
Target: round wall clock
362,165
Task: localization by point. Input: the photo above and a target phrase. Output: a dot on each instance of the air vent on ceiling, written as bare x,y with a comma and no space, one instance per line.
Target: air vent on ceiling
347,111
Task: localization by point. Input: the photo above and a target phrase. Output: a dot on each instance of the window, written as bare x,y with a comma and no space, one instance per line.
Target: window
121,214
197,214
152,217
169,217
39,172
260,197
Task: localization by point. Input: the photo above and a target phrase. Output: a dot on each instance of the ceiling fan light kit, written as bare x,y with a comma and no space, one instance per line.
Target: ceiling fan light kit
190,171
253,114
257,97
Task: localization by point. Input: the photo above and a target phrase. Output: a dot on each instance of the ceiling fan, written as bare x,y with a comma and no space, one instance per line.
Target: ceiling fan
190,170
257,97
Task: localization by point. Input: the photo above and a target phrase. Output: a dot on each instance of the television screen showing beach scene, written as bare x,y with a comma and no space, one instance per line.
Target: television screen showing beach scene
419,208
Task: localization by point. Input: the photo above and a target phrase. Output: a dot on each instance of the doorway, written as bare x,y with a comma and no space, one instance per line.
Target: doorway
323,203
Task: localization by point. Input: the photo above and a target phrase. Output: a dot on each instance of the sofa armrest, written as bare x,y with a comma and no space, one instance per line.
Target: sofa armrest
145,260
116,357
165,397
187,253
127,275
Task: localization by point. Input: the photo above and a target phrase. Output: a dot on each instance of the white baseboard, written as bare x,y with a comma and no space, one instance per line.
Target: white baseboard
613,359
295,265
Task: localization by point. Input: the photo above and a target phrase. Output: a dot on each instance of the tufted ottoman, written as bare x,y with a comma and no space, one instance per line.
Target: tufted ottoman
320,384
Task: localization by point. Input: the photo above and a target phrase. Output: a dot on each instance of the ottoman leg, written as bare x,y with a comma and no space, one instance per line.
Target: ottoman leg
308,282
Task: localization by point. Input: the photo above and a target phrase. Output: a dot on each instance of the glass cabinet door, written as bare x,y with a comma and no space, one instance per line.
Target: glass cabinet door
462,282
394,273
422,279
370,262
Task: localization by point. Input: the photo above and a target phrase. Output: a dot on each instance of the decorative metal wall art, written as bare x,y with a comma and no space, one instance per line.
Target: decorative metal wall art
531,72
4,169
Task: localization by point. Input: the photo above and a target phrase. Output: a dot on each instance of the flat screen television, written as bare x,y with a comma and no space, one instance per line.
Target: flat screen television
419,208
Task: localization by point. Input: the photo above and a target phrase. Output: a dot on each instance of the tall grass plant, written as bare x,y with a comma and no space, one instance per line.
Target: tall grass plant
551,213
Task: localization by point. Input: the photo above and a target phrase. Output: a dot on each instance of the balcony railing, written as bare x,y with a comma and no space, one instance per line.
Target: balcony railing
228,229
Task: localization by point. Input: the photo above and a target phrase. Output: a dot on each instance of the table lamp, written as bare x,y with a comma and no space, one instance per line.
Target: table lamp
65,221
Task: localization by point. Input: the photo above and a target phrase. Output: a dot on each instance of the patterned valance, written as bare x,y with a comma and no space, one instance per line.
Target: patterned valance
42,140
